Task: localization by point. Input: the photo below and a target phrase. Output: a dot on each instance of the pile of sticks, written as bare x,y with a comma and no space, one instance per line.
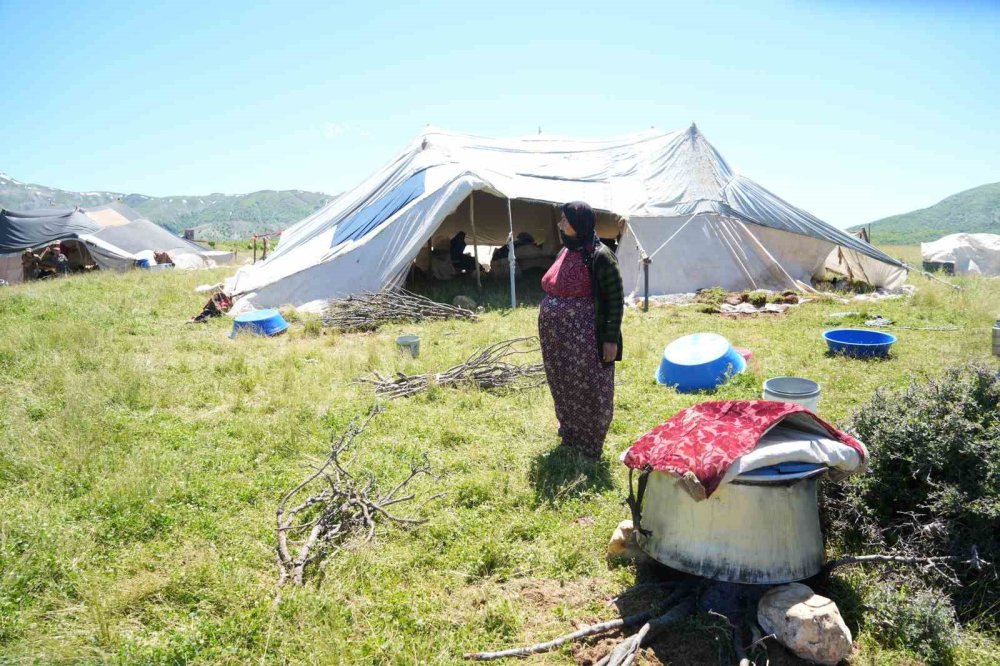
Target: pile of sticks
488,368
318,517
369,311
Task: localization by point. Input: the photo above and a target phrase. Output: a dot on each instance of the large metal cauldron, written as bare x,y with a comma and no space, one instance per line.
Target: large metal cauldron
756,529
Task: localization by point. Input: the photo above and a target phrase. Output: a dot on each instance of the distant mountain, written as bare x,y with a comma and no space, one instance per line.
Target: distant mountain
972,211
215,216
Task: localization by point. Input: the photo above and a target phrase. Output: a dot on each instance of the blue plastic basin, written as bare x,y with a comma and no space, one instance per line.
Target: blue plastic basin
859,342
699,362
259,322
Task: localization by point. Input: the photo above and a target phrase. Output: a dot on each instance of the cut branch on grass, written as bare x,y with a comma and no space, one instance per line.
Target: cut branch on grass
488,368
974,561
369,311
649,620
340,508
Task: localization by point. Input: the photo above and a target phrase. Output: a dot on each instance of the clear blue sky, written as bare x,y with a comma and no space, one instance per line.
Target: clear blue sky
850,111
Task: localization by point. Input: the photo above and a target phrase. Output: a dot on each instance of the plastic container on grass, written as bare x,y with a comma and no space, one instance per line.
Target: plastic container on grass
259,322
699,362
859,342
409,344
799,390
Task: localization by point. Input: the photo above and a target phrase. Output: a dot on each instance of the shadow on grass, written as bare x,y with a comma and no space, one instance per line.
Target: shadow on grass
845,594
864,359
563,473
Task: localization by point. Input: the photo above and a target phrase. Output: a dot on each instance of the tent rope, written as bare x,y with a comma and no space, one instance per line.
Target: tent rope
672,236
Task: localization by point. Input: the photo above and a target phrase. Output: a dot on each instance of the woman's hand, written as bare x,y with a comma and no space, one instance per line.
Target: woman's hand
609,351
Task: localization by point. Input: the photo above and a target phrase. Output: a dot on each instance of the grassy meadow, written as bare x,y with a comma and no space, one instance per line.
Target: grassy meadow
143,458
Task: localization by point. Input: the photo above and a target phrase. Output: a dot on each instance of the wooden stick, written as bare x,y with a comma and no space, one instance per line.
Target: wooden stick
974,561
592,630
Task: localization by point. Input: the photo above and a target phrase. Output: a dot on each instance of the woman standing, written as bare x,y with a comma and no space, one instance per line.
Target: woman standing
579,325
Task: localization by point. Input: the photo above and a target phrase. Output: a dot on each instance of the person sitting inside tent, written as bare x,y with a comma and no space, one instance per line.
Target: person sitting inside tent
29,265
459,259
54,261
522,239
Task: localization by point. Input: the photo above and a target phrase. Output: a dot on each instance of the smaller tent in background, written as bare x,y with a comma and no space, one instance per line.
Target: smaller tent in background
109,237
963,254
125,228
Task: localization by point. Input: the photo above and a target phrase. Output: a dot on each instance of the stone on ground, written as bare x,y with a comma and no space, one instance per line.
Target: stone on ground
806,623
623,545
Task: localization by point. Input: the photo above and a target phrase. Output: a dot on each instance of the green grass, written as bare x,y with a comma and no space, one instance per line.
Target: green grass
143,459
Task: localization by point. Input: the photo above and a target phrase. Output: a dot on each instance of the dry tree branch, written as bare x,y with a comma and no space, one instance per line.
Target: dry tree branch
974,561
625,653
487,368
648,619
320,525
369,311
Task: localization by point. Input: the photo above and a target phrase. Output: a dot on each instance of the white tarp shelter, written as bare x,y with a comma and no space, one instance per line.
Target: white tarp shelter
977,254
671,196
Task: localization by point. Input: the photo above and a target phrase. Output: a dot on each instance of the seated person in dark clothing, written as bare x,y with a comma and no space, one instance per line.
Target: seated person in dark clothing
523,238
459,259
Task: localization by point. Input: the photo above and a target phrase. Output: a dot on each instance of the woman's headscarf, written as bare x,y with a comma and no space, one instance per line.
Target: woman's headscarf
584,222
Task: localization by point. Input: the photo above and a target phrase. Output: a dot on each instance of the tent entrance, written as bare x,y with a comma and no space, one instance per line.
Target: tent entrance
14,267
488,224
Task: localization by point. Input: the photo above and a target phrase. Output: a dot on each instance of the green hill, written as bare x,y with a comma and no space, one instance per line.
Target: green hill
972,211
215,216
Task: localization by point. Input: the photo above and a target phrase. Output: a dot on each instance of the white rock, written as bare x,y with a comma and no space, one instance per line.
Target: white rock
623,545
804,622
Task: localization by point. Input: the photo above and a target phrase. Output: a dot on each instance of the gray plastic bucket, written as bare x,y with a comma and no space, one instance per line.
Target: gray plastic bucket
409,344
799,390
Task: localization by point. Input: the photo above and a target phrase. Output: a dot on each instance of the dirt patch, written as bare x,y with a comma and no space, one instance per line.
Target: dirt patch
545,594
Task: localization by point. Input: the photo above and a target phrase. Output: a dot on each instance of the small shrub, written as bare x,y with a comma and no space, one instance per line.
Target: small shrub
923,622
933,486
711,296
758,299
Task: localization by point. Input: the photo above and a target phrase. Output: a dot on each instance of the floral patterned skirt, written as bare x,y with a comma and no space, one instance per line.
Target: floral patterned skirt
582,387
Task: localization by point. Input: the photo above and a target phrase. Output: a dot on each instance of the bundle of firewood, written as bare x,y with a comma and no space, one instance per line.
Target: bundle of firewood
487,369
369,311
332,506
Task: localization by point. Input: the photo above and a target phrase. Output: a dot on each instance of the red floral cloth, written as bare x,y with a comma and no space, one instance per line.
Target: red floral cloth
707,438
568,277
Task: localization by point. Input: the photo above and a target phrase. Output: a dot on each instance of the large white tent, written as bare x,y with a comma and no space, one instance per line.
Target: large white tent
671,196
975,254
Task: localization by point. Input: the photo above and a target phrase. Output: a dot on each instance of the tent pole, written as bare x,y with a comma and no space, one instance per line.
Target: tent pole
475,242
645,283
511,259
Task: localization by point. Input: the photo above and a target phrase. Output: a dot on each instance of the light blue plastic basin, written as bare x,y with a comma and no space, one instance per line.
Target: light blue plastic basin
699,362
259,322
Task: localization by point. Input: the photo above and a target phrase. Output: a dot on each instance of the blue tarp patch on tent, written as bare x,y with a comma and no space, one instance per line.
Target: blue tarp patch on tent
374,214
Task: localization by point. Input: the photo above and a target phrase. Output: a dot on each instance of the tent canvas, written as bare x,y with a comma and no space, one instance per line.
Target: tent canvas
113,235
970,253
646,186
